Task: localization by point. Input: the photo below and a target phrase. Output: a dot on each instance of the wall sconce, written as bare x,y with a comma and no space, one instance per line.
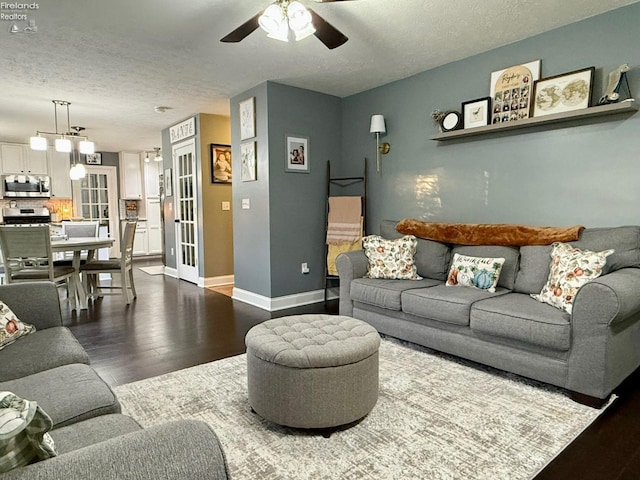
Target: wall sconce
378,127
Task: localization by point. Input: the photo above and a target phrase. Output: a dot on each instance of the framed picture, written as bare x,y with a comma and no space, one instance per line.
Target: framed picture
168,182
476,113
297,158
563,93
451,120
220,163
93,159
248,118
248,158
510,90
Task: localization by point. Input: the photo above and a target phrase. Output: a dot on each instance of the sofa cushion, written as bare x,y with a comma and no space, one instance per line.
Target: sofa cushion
510,255
533,269
477,272
392,259
570,269
445,304
519,317
385,293
23,432
431,258
69,394
91,431
56,346
624,240
11,328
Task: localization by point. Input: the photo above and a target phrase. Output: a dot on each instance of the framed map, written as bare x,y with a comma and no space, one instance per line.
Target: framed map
563,93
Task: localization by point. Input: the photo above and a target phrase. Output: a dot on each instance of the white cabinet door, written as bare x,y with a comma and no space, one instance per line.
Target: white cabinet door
140,246
154,228
59,164
12,157
36,161
152,179
19,158
130,176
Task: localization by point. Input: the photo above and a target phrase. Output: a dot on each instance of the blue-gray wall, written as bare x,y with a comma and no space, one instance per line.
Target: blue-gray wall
568,174
583,172
285,224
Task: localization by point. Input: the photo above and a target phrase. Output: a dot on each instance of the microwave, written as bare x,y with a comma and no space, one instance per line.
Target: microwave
26,186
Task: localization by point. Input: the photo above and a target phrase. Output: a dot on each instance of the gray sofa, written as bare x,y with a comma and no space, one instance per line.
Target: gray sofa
93,439
589,352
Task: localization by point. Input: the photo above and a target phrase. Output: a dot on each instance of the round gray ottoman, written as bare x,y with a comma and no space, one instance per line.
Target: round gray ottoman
312,371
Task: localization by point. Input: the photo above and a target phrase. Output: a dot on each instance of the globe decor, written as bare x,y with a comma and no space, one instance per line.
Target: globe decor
562,93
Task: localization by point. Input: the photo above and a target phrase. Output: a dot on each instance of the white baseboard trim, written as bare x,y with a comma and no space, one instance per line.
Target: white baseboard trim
171,272
278,303
217,281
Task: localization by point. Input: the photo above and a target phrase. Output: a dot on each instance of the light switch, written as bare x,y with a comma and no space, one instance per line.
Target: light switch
246,204
226,205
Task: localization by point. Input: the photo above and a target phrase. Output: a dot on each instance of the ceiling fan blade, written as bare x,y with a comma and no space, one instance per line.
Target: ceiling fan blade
243,31
327,33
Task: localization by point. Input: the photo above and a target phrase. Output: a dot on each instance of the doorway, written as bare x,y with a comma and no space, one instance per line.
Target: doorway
96,198
184,155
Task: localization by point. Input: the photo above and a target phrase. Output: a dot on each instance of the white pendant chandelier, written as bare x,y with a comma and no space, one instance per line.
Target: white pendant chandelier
282,16
63,141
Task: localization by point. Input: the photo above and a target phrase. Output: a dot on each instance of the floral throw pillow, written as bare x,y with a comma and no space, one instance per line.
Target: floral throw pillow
10,327
570,269
391,259
478,272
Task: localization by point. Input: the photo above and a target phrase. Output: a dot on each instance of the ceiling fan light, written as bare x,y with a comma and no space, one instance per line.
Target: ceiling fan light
299,17
86,147
38,143
63,145
272,19
282,34
305,32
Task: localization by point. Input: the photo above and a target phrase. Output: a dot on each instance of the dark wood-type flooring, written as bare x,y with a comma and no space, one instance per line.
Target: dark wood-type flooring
174,324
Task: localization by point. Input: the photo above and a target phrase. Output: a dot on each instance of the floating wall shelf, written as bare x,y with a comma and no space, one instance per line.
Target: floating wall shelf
630,106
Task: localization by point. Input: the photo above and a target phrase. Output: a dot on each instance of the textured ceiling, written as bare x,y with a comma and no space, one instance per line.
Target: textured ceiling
114,60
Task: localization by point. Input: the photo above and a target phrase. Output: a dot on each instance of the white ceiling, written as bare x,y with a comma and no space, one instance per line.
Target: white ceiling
114,60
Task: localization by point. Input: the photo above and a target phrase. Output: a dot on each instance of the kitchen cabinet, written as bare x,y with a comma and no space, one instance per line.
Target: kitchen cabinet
59,164
140,243
154,227
19,158
130,176
152,172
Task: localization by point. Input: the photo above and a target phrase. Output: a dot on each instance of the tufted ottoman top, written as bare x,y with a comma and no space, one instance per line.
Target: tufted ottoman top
310,341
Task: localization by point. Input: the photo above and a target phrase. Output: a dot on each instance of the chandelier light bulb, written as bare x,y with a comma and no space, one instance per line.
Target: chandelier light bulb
86,147
63,145
38,143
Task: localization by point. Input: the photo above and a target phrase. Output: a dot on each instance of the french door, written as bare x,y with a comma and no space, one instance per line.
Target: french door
96,198
184,155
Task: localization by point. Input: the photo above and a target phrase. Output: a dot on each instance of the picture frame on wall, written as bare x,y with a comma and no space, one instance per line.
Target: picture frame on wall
563,93
248,171
510,91
297,154
93,159
221,166
168,182
248,118
476,113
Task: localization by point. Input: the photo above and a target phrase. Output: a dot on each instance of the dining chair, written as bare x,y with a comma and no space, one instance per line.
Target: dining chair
123,266
26,253
78,229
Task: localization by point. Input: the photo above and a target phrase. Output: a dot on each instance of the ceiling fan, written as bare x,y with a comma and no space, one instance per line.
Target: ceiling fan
284,16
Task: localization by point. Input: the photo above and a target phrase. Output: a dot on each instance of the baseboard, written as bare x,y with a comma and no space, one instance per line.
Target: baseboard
171,272
278,303
217,281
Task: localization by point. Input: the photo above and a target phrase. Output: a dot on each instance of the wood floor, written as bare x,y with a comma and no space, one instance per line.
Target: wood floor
174,325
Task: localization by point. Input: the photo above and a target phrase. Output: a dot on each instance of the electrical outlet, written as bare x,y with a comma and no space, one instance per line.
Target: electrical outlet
304,267
226,205
246,204
171,251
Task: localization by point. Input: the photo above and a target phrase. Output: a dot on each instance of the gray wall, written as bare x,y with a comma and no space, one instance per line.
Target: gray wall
285,225
581,173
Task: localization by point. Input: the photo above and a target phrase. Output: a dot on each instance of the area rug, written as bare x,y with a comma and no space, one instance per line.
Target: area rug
153,270
437,417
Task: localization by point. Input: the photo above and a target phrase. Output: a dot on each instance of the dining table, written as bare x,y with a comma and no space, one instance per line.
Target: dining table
77,245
